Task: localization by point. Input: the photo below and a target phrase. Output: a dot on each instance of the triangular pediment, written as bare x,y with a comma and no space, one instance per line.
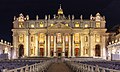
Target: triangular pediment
59,26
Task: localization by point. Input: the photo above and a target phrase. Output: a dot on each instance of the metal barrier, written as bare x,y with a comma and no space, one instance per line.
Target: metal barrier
37,67
79,67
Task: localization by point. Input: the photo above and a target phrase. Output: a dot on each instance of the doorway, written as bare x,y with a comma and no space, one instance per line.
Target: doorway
59,52
21,50
97,51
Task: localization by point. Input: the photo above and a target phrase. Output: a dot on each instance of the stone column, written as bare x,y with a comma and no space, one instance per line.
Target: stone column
36,37
103,49
45,47
63,50
28,43
15,38
89,44
73,47
82,40
55,45
48,45
69,53
92,45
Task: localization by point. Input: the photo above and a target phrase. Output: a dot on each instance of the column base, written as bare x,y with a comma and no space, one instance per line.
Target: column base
54,56
73,56
47,56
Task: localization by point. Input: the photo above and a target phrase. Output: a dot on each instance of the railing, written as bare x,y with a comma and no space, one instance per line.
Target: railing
37,67
79,67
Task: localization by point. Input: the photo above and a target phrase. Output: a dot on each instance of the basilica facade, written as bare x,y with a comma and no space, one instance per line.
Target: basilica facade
60,36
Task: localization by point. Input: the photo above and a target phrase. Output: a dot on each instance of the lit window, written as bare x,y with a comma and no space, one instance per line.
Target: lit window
66,38
21,38
41,24
6,50
97,38
20,25
31,51
76,37
86,25
66,24
41,38
85,50
86,38
77,24
98,24
52,24
32,25
52,38
59,40
32,39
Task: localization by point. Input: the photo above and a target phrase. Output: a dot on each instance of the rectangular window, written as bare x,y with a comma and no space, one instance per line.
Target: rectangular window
66,38
66,24
32,38
21,38
41,38
77,37
32,26
86,38
97,24
59,39
20,25
52,38
77,24
51,24
97,38
86,25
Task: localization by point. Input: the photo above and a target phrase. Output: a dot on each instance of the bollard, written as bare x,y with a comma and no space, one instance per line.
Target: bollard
30,68
111,70
88,69
15,70
97,69
4,70
91,70
26,68
21,70
33,68
103,70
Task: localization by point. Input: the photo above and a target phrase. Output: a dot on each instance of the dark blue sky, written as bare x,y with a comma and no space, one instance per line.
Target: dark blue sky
11,8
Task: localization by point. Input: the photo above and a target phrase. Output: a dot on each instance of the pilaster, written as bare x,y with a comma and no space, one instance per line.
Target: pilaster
73,46
48,45
45,46
63,50
55,45
69,54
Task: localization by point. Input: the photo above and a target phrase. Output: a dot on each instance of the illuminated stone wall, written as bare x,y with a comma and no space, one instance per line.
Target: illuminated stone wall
60,36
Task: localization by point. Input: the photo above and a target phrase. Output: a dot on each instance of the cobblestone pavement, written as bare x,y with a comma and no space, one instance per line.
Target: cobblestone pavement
58,67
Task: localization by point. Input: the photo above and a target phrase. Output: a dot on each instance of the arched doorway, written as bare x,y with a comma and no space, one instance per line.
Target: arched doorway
59,51
41,52
66,52
97,51
76,52
51,52
21,50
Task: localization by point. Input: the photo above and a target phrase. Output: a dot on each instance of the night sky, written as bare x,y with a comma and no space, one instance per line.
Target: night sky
10,8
